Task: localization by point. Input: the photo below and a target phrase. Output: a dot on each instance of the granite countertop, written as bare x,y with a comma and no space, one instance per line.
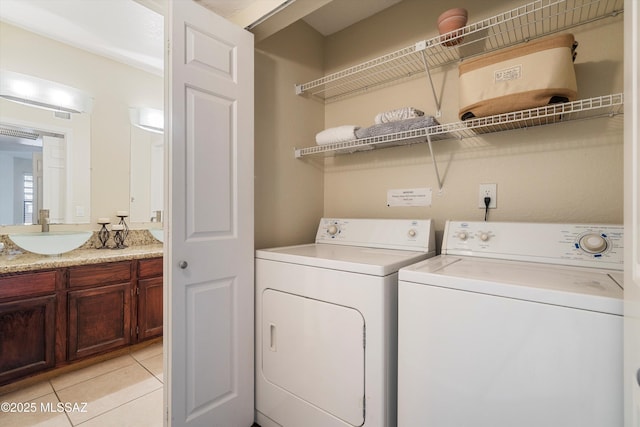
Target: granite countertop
140,245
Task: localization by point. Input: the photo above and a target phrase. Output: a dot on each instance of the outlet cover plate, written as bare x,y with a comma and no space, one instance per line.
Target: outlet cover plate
490,190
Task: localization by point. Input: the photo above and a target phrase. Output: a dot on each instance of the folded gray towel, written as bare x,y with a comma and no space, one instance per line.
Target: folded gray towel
397,126
398,114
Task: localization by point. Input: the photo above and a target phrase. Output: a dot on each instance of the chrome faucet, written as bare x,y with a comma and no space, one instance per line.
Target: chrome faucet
43,219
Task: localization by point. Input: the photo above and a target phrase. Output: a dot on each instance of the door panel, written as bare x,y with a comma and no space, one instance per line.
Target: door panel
213,54
209,263
315,350
211,373
210,208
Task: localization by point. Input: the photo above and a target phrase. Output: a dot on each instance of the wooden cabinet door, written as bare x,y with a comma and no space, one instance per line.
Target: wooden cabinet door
99,319
149,303
149,308
27,336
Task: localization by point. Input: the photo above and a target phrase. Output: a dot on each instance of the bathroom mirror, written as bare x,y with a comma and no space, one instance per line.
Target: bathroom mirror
147,175
44,164
117,69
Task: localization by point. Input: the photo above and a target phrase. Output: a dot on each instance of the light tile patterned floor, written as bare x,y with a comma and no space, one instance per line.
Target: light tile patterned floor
123,392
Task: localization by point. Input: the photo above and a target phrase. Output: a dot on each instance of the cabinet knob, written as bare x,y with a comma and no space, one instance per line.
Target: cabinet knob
183,264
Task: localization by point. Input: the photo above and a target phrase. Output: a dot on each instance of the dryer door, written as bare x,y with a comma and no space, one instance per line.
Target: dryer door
315,350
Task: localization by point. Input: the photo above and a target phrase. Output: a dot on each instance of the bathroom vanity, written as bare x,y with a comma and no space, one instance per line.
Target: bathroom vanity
55,311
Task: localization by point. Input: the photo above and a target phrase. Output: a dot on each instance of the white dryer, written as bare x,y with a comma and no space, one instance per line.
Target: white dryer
326,323
513,325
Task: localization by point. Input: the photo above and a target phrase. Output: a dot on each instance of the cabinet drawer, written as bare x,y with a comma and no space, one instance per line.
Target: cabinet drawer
150,268
100,274
27,284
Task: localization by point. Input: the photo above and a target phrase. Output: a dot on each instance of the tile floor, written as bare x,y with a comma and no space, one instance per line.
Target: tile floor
123,392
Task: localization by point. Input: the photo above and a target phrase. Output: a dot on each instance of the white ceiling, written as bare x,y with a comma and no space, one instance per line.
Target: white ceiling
126,31
122,30
329,19
339,14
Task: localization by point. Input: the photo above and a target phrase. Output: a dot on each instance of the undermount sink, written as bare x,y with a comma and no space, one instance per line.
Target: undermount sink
157,233
50,242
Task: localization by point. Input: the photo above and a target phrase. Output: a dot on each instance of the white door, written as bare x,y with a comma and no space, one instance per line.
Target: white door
37,165
54,174
632,212
209,258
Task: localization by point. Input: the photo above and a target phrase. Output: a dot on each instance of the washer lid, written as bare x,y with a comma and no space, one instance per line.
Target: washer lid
372,261
575,287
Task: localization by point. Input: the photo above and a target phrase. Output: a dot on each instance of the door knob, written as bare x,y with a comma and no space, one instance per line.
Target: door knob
183,264
638,376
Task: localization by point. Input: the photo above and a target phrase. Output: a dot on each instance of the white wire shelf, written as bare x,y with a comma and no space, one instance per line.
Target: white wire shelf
530,21
602,106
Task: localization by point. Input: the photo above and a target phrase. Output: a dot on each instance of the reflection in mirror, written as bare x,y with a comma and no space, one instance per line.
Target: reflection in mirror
45,151
20,153
35,173
117,69
147,175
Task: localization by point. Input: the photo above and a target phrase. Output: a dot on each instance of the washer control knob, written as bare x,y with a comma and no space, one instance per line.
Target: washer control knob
593,243
462,235
333,229
412,233
484,237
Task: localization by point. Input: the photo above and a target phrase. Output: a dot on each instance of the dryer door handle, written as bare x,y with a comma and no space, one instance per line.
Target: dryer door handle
272,337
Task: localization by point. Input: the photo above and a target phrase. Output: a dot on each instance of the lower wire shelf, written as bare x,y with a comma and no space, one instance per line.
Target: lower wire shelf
602,106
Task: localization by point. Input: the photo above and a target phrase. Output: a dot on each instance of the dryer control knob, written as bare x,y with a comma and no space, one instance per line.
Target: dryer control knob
412,233
462,235
593,243
484,237
333,230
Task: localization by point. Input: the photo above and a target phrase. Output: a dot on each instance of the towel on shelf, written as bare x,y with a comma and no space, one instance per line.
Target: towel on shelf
337,134
397,126
398,114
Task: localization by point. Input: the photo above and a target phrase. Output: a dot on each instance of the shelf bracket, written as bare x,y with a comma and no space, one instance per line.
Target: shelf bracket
433,160
433,89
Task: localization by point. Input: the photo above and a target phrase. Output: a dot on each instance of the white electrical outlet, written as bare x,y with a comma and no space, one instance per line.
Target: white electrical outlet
488,190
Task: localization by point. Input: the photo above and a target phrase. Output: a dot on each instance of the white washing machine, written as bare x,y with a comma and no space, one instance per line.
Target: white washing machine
326,323
513,325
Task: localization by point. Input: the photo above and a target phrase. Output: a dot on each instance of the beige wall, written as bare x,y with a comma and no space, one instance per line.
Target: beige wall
288,192
114,86
570,172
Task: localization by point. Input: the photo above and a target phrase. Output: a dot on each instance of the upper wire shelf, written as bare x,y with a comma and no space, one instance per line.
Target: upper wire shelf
530,21
602,106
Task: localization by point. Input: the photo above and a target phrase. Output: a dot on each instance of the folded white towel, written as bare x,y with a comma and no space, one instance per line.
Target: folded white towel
399,114
337,134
